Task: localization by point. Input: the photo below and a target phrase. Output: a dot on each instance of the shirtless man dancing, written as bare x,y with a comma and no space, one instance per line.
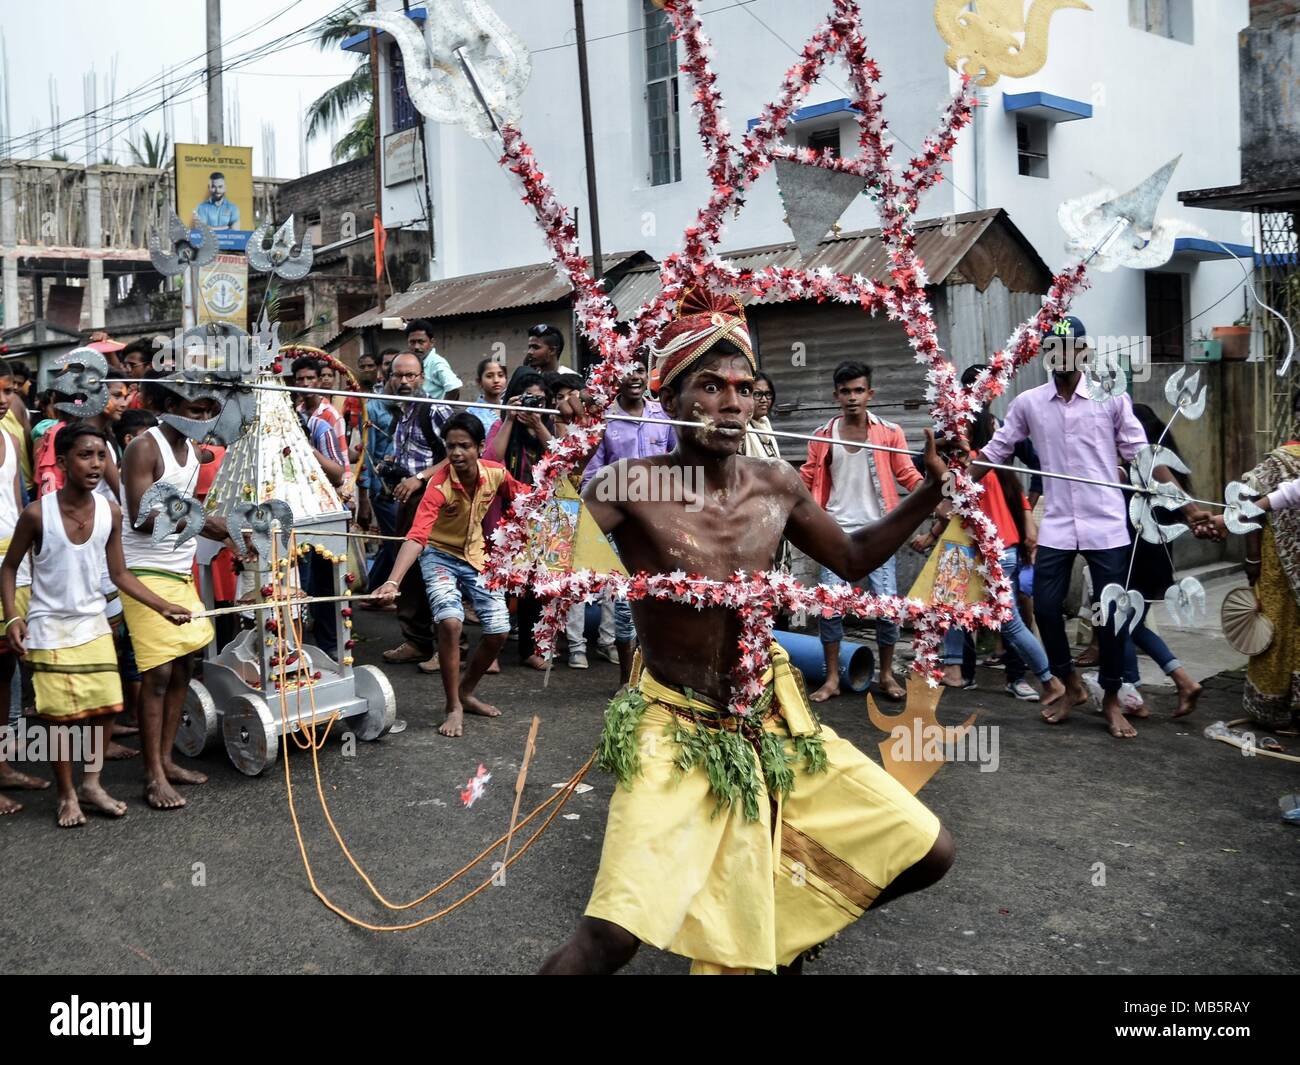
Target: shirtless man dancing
740,845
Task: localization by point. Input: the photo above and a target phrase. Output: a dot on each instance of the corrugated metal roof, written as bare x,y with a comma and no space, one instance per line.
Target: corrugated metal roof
942,244
496,290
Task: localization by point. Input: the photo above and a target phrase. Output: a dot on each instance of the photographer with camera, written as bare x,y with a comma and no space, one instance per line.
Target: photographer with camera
405,470
517,441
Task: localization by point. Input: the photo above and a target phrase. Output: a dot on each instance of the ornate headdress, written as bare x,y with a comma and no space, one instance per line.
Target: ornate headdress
702,320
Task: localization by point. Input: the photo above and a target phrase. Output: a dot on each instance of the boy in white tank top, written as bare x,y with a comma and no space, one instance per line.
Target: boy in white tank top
163,654
11,501
65,635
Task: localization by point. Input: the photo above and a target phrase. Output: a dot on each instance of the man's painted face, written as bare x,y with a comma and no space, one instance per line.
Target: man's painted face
719,394
217,189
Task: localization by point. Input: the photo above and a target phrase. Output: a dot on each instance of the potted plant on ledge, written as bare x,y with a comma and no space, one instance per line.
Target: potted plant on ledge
1235,338
1203,349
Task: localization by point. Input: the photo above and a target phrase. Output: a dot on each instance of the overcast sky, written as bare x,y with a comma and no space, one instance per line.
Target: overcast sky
65,38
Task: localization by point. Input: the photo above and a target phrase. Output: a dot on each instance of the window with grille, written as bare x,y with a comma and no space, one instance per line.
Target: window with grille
1031,147
661,96
404,114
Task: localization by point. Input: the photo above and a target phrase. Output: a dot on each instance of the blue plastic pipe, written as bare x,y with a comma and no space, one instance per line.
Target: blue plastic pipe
857,663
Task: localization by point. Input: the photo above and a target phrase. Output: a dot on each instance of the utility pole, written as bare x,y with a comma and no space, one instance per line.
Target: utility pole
379,173
216,132
588,146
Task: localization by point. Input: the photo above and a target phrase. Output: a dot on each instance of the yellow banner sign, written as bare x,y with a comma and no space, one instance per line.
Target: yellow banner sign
223,291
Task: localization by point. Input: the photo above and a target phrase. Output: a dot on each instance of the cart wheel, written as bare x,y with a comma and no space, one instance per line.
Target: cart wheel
250,733
372,686
198,721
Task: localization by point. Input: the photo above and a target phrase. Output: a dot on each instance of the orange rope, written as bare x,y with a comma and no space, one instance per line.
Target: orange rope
560,798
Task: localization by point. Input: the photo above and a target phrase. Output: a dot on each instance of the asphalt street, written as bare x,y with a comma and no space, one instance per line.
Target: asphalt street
1198,873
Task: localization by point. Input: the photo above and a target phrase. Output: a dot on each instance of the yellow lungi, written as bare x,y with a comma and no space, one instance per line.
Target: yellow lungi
73,683
728,891
155,639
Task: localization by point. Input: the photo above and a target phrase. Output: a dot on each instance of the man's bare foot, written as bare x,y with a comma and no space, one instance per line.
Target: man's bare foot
455,723
829,690
1115,721
1053,691
119,752
1187,697
474,705
952,677
1138,710
69,813
120,728
97,799
11,778
495,667
8,806
535,662
177,775
160,795
1075,695
892,690
1089,656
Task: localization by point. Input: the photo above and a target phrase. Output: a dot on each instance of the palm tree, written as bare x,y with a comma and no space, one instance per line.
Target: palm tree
155,152
336,102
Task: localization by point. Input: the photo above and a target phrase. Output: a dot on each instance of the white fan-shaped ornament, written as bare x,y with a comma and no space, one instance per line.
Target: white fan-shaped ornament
1244,625
1106,378
461,33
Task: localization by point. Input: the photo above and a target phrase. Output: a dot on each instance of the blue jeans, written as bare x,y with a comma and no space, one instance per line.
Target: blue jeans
446,578
385,508
1015,633
1052,582
883,580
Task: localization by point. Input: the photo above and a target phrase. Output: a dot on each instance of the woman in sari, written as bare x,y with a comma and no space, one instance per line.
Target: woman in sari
1272,694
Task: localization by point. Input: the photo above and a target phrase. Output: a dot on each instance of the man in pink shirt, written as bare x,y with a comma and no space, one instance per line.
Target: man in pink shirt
1076,435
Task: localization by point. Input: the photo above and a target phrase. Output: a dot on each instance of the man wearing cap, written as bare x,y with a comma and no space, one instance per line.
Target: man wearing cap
1078,435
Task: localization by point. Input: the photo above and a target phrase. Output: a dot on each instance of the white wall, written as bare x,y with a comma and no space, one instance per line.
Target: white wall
1153,98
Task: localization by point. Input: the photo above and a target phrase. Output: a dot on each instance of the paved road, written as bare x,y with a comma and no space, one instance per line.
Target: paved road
1201,875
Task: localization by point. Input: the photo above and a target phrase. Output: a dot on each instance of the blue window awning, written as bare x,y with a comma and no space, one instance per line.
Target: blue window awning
831,107
360,42
1201,250
1045,106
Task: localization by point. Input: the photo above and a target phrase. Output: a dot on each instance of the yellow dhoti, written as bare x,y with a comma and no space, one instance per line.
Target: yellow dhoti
155,639
73,683
717,883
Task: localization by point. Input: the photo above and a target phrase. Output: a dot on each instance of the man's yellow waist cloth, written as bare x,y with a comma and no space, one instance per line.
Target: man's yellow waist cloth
741,844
